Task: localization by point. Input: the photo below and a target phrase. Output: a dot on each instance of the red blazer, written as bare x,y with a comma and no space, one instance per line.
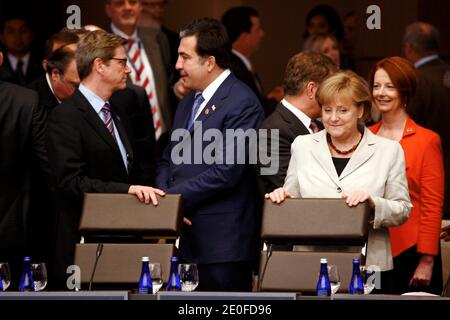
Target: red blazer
425,174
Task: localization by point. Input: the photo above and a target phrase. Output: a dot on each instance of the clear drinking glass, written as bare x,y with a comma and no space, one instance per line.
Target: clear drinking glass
335,280
5,274
155,274
189,276
368,275
39,271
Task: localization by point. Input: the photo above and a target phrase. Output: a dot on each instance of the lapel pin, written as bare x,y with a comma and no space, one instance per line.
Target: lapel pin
206,111
213,108
409,130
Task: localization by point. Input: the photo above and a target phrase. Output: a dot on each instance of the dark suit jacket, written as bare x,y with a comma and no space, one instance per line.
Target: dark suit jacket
289,127
158,52
430,108
47,99
174,41
220,199
84,158
22,151
240,70
157,49
34,69
133,107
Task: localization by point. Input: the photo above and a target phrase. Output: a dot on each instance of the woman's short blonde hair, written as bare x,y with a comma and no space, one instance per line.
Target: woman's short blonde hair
346,86
315,41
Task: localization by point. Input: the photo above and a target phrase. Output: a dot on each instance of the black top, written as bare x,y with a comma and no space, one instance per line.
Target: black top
339,164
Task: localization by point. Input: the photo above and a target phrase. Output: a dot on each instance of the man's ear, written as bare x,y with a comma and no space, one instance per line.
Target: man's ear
211,61
311,88
98,65
108,10
1,58
55,74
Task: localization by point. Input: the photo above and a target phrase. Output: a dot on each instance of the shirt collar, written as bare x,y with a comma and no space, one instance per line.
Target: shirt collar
298,113
213,86
15,60
424,60
118,32
244,59
96,102
47,77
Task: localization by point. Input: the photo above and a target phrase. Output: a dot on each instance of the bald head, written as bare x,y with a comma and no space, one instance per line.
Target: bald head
421,39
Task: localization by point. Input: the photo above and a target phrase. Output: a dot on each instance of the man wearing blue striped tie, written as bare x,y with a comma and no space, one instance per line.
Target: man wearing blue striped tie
89,150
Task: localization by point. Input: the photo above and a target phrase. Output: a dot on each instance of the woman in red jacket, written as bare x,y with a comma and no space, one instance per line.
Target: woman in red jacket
415,244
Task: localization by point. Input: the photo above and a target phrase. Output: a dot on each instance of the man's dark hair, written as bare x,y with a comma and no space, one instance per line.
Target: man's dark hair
16,15
332,17
65,36
60,59
423,37
212,39
304,67
237,21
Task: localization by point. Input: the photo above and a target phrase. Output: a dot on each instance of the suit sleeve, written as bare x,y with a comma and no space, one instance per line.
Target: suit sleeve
431,198
277,150
163,169
67,160
221,177
38,141
393,209
291,184
145,142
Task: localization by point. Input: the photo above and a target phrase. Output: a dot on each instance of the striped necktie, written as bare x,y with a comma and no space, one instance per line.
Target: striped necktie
142,79
197,103
314,126
107,119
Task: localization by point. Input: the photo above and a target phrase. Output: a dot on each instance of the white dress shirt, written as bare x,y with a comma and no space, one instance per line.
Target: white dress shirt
97,103
298,113
211,89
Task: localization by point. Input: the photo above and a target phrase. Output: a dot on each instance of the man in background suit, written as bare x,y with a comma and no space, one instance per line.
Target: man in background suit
148,56
23,156
60,80
17,36
430,107
153,12
89,150
221,203
296,114
246,34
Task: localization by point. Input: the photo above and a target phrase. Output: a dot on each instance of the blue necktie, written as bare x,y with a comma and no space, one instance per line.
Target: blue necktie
197,102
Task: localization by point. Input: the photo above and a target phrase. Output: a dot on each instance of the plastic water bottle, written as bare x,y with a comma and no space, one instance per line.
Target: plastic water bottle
26,281
145,281
356,285
323,284
174,278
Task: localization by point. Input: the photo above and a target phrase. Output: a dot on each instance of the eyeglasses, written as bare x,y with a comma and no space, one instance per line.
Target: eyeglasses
123,61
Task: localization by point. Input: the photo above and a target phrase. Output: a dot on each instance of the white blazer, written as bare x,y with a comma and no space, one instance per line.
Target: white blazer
377,167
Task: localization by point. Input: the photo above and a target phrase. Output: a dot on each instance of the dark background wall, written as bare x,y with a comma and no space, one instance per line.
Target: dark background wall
283,22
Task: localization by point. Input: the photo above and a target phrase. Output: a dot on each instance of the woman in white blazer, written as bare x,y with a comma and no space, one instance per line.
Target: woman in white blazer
345,160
